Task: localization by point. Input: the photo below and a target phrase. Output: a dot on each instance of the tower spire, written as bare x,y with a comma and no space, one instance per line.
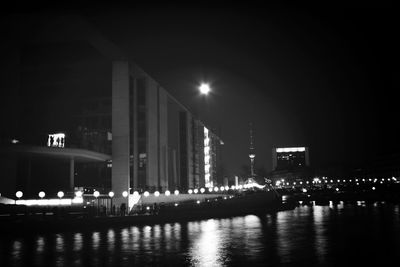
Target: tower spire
252,153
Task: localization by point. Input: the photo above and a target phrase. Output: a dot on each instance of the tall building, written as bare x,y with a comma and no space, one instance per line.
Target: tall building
157,142
129,134
290,163
252,154
289,158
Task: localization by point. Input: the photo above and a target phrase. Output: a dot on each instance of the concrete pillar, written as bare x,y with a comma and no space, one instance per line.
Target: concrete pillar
175,169
152,134
163,139
71,174
120,131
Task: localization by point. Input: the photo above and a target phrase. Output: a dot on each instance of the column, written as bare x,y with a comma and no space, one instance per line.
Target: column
71,174
120,131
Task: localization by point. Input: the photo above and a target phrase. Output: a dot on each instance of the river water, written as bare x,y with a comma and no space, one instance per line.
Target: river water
356,234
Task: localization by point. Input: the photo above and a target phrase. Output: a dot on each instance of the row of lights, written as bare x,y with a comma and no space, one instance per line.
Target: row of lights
41,194
318,181
111,194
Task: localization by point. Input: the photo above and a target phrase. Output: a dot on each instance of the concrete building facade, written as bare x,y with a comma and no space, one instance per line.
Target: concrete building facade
157,144
149,140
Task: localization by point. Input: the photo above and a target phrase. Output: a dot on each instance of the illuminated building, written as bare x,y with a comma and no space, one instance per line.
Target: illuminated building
289,158
290,164
132,136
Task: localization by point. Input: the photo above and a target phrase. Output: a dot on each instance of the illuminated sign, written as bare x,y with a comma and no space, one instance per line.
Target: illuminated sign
290,149
56,140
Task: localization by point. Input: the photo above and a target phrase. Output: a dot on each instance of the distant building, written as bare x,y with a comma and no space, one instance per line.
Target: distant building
290,163
290,158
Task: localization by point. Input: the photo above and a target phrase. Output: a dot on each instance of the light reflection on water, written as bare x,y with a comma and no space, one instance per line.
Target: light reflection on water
336,234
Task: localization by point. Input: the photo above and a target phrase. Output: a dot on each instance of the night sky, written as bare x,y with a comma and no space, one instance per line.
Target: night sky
322,79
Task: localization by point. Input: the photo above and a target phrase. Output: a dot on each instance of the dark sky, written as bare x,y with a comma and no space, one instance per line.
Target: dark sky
322,79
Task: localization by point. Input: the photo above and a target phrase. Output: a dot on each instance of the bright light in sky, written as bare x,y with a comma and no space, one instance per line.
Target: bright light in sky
204,88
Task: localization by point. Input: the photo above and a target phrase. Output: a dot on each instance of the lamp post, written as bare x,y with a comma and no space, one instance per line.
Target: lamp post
111,195
96,194
19,194
42,194
60,194
123,206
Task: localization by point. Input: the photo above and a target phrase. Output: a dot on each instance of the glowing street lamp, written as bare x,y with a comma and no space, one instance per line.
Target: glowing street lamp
42,194
204,89
60,194
19,194
176,192
96,194
111,195
78,194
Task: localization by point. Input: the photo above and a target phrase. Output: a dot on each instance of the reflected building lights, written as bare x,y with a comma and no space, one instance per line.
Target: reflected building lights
40,244
59,243
96,240
78,241
206,250
111,240
320,239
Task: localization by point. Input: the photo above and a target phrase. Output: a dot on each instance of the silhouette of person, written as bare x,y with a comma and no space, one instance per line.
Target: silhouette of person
123,209
51,140
62,142
58,142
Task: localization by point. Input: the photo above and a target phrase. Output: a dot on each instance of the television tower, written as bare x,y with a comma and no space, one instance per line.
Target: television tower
252,153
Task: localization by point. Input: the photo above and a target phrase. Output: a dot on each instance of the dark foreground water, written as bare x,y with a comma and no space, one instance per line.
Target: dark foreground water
356,234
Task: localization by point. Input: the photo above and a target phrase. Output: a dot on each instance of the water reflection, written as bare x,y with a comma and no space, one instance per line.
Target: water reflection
205,250
95,240
320,243
40,244
111,240
312,235
78,242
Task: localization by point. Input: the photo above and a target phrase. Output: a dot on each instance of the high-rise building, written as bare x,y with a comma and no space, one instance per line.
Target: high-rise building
290,164
289,158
